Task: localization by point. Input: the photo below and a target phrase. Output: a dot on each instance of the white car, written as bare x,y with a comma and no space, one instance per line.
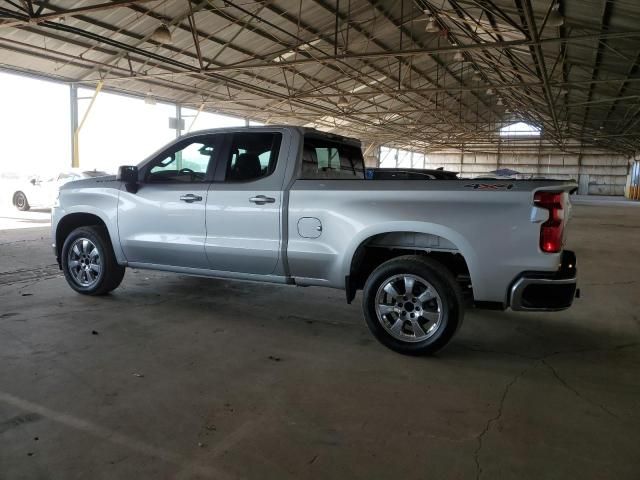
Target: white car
42,193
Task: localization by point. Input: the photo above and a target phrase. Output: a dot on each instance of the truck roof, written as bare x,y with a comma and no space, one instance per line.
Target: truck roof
304,130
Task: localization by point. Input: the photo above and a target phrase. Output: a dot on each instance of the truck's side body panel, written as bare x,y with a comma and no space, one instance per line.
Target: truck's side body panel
312,229
243,236
156,227
482,225
94,196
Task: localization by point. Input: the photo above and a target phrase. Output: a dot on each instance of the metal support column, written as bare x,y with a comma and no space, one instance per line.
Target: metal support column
73,98
179,120
75,162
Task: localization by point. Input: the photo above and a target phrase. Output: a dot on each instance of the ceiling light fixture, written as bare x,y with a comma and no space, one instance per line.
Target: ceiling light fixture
490,91
432,26
343,101
477,75
149,99
162,34
458,57
499,102
555,18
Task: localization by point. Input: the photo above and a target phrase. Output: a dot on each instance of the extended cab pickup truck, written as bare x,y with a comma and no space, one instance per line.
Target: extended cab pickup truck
294,206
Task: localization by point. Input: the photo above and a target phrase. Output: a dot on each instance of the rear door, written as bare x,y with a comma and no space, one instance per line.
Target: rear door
244,204
163,223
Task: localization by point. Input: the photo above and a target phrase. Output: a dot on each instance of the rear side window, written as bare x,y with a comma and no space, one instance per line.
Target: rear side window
324,159
253,156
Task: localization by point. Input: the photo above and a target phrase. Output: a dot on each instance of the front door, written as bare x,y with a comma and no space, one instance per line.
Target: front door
244,205
163,223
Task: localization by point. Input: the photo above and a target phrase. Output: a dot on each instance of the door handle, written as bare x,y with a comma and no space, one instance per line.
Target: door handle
190,198
261,200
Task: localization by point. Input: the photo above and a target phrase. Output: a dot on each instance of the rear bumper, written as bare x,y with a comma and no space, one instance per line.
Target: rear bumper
544,291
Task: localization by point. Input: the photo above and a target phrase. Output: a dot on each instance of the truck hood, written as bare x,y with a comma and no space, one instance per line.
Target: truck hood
96,182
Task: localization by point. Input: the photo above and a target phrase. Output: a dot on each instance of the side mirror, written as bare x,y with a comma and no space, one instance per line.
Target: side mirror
129,176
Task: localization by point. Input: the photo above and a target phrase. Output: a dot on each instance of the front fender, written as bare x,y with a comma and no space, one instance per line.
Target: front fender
101,202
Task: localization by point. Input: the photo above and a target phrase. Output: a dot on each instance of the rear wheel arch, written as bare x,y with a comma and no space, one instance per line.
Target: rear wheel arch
381,247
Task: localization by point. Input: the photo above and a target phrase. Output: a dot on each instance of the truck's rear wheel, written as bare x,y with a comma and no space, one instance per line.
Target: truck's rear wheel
413,305
88,261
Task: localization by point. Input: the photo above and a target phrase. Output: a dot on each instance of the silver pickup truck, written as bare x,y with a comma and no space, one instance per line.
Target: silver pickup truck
296,206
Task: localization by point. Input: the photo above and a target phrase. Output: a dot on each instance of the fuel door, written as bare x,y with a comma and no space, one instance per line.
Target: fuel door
309,227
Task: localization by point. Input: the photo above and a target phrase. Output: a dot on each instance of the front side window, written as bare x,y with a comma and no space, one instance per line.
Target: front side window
324,159
253,156
185,162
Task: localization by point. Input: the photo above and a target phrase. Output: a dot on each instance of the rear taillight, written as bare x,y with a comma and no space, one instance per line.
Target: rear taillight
551,230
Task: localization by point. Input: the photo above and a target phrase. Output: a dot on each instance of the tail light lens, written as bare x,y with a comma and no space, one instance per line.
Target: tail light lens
551,230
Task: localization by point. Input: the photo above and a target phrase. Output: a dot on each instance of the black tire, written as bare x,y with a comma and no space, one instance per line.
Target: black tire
21,202
449,299
111,273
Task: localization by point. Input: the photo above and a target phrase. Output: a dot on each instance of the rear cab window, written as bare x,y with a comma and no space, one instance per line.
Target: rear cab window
253,156
328,159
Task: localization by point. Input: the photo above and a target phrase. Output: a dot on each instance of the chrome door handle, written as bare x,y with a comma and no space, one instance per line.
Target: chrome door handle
261,200
190,198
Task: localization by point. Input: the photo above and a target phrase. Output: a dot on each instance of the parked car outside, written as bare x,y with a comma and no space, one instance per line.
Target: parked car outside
36,192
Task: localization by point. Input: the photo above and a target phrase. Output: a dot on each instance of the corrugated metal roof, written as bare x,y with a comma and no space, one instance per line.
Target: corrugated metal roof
372,72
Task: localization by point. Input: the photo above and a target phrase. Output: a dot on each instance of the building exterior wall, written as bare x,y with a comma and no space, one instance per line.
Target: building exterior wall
598,172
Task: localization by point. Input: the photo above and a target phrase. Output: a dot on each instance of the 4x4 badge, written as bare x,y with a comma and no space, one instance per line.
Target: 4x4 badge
490,186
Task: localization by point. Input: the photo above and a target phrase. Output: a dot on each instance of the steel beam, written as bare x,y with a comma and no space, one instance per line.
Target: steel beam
73,116
390,53
71,12
540,63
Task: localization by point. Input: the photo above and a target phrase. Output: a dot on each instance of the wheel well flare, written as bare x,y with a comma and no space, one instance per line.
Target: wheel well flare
382,247
72,221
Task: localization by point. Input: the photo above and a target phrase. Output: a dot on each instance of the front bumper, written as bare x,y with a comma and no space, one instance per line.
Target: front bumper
544,291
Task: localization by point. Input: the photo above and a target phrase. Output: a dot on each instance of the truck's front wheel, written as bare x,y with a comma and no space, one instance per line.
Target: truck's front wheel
88,261
413,305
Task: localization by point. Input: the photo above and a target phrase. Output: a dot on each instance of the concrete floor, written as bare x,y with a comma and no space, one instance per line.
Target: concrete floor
180,378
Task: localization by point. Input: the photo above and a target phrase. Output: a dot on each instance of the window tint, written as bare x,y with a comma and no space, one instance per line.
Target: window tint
331,160
186,162
253,156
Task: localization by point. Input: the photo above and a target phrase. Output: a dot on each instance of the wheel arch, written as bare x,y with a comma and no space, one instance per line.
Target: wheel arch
382,243
70,222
